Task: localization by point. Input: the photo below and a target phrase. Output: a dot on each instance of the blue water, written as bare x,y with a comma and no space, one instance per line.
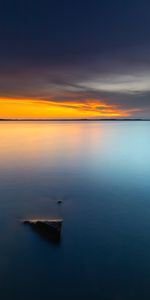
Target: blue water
101,171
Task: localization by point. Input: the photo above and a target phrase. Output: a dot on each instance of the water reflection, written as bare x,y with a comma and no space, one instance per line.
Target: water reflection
46,234
101,171
27,144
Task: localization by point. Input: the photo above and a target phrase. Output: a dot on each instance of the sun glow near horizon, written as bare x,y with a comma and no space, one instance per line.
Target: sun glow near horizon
31,108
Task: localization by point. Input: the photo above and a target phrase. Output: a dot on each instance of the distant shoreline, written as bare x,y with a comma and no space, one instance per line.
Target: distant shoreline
71,120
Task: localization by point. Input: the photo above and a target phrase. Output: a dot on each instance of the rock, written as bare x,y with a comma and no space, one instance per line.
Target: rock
54,224
59,201
48,229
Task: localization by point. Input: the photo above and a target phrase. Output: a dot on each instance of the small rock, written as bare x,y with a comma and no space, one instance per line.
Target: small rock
50,230
59,201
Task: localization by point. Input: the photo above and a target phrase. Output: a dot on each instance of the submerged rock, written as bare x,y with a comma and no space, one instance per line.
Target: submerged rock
48,229
59,201
53,224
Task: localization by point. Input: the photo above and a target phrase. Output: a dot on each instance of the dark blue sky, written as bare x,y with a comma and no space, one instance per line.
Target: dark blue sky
75,50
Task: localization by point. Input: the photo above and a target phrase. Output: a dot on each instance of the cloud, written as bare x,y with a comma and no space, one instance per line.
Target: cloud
123,89
26,108
115,83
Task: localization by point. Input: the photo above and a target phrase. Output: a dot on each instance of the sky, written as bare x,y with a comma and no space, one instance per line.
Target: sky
75,59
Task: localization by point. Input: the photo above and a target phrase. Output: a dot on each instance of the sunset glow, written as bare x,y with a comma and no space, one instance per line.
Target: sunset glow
25,108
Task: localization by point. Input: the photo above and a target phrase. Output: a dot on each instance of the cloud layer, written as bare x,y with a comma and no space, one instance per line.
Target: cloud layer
85,54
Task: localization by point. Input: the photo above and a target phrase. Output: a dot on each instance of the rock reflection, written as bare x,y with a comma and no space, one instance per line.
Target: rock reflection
46,230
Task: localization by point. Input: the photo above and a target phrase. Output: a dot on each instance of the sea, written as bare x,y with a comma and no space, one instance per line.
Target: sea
96,177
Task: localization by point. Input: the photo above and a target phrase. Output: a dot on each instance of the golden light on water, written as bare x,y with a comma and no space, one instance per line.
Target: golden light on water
28,108
39,144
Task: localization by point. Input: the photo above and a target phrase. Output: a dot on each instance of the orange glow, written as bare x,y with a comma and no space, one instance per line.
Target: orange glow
28,108
33,144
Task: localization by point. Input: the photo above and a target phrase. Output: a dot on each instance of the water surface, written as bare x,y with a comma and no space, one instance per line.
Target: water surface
101,170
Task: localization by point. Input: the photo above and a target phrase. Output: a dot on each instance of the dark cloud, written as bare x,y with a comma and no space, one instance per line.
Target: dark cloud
76,50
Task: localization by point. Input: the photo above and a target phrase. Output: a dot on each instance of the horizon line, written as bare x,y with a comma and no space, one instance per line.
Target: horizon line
70,120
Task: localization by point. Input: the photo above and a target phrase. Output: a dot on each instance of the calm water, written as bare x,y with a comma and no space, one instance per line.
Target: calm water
102,173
